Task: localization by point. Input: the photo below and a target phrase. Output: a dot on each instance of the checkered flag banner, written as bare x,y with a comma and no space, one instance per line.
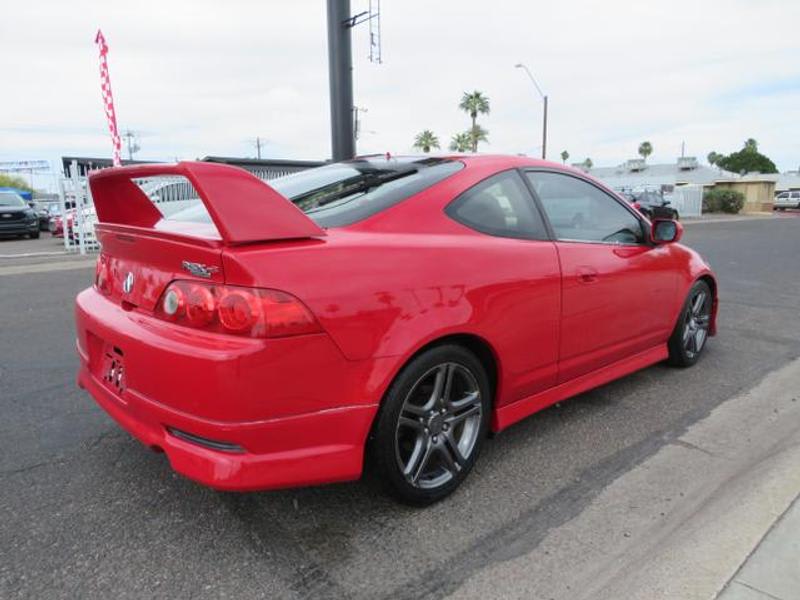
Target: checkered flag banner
108,99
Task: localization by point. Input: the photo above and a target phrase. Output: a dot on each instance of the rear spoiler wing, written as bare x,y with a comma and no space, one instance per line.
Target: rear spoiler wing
243,208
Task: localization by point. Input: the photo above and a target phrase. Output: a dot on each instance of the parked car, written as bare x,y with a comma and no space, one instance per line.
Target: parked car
275,334
43,213
58,222
16,217
654,206
784,200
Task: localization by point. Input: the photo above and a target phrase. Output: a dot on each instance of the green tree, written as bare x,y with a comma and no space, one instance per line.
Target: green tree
747,160
461,142
588,163
426,140
645,149
713,158
564,156
13,181
477,134
474,103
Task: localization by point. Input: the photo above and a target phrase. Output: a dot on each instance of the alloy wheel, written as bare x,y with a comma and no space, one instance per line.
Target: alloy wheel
438,426
695,328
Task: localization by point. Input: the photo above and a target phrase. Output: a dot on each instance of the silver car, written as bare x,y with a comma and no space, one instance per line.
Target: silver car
786,200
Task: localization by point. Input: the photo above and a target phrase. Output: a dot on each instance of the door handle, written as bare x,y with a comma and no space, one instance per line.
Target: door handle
587,274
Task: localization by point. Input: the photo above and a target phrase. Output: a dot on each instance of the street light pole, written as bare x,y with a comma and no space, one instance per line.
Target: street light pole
544,99
544,131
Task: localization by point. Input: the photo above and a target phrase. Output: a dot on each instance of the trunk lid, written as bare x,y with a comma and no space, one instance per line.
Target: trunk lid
141,263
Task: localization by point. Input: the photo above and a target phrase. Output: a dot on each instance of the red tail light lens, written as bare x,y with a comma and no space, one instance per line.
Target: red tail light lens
102,275
201,306
236,310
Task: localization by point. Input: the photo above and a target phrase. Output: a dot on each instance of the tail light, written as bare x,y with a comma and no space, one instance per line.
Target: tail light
102,275
251,312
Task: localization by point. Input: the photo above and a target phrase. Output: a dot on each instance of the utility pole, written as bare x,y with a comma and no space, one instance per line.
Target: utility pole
340,75
130,140
258,147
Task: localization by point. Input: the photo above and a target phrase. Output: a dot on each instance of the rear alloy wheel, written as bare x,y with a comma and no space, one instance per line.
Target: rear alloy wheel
691,331
431,426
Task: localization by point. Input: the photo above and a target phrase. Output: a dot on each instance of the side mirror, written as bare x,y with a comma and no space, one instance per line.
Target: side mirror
666,231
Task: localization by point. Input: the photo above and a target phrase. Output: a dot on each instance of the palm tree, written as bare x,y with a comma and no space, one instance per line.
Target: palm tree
461,142
645,149
477,134
588,163
564,156
426,140
473,104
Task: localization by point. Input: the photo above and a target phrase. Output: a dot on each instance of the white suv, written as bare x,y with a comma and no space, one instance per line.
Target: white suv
786,200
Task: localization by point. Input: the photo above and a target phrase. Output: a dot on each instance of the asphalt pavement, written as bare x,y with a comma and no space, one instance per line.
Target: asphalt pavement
88,512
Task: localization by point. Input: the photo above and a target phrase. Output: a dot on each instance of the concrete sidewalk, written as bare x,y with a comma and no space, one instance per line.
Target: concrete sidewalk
708,513
725,218
772,571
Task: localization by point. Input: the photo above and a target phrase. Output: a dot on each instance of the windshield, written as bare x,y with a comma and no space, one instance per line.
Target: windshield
11,199
343,193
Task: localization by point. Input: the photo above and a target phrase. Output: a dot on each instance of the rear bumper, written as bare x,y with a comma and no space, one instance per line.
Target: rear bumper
334,454
270,449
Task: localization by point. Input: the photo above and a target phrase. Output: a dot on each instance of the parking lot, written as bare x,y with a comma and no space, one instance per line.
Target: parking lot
87,511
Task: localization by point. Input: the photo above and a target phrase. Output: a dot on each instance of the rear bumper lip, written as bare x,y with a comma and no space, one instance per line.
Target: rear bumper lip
315,462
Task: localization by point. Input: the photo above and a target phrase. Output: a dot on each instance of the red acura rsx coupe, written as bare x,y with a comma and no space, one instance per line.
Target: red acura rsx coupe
387,310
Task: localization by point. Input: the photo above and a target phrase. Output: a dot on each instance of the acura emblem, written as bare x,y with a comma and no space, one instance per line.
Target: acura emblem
127,284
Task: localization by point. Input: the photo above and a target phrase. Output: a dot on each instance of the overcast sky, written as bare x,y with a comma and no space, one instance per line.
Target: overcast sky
197,77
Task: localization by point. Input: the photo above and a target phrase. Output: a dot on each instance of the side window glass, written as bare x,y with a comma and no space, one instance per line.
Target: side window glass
579,211
501,206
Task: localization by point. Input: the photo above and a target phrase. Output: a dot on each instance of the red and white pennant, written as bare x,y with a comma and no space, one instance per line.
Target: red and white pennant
108,98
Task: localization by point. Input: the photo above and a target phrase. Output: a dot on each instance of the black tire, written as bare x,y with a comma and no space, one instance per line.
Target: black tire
675,215
428,434
34,236
688,339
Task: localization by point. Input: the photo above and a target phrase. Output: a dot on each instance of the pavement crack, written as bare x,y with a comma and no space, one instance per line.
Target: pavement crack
33,467
691,446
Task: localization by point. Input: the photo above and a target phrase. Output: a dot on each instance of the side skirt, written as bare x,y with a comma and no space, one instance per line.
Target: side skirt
510,414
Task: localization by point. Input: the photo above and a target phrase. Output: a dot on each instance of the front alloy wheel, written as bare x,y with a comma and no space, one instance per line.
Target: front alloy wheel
431,425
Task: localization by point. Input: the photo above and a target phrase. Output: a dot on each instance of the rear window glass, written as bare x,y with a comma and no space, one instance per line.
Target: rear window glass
344,193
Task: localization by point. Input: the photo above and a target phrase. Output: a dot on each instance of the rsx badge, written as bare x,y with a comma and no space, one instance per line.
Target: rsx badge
199,269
